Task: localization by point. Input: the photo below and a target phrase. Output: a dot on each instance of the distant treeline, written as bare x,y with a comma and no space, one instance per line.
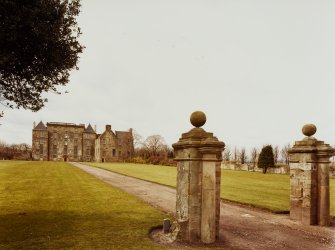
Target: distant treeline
15,151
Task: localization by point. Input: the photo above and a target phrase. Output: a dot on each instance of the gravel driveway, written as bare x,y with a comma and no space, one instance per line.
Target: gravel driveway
242,227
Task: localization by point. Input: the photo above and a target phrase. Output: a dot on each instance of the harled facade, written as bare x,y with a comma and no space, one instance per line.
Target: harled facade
57,141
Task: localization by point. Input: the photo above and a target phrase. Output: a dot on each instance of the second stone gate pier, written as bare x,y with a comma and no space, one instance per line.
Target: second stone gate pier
309,178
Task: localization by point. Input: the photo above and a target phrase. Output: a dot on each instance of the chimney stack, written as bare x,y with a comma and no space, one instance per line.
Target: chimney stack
109,127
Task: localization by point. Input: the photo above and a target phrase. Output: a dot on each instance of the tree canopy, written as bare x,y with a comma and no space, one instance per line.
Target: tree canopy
38,49
266,159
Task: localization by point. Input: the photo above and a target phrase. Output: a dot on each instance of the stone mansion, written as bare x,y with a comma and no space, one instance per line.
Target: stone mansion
71,142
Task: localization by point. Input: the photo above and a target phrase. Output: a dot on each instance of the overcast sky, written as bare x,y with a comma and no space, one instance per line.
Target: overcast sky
260,70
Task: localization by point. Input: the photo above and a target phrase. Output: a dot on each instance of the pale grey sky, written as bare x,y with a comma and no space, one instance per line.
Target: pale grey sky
259,70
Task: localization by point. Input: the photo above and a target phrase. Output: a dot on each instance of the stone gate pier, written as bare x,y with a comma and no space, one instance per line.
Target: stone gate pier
309,179
198,155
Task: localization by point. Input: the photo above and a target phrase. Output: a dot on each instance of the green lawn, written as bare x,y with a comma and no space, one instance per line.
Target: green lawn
270,191
50,205
153,173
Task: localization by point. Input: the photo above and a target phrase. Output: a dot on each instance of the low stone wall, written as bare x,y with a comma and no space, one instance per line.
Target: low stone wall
284,169
277,170
245,167
233,166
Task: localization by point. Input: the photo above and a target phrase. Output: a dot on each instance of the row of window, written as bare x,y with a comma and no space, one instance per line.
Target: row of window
55,142
108,141
75,141
89,150
67,135
97,151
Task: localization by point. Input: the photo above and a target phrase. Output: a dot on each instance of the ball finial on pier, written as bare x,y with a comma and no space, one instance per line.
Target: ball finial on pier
198,119
309,129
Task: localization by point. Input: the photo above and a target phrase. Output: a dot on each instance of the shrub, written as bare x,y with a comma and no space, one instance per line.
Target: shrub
138,159
155,159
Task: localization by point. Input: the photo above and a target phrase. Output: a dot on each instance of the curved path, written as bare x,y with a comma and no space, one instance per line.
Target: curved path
241,227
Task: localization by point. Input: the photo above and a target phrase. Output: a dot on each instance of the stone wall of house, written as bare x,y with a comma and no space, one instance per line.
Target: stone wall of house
39,145
65,142
97,150
110,146
107,146
88,146
125,144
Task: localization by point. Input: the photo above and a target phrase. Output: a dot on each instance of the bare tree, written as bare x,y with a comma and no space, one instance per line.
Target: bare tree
275,153
24,147
235,154
254,156
137,138
242,156
166,151
226,154
153,144
284,153
3,147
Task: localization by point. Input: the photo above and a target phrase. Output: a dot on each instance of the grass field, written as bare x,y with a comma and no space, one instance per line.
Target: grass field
269,191
49,205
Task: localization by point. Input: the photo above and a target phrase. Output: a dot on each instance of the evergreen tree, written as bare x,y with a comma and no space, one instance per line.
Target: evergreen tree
266,159
38,48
